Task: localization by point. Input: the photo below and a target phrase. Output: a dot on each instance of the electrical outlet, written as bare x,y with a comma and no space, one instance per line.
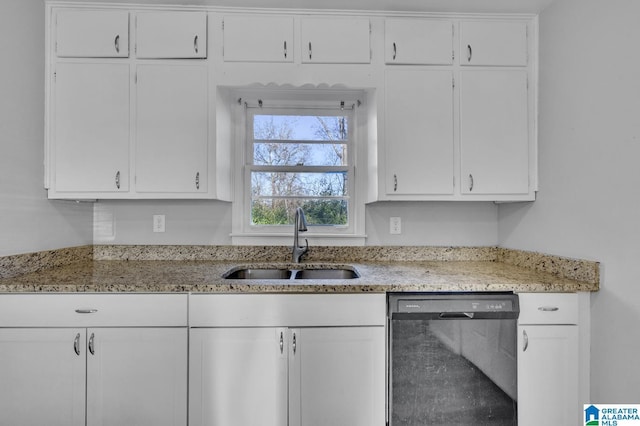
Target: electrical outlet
395,225
158,223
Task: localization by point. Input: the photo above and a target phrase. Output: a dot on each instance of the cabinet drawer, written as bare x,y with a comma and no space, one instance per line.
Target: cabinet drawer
548,308
86,310
286,310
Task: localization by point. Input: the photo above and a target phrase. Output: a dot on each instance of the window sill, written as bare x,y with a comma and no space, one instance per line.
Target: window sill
264,239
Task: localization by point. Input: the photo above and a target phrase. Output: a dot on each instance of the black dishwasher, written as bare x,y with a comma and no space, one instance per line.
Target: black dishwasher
452,359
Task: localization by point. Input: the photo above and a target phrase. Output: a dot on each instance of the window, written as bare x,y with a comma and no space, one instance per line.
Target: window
298,153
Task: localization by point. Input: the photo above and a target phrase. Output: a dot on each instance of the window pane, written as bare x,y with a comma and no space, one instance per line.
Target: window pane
281,184
291,154
281,211
300,127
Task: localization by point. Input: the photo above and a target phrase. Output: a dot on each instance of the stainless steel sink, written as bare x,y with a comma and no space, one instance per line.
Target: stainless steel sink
326,274
259,274
342,273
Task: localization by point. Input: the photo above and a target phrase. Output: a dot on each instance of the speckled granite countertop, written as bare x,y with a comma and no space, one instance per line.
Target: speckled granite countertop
487,269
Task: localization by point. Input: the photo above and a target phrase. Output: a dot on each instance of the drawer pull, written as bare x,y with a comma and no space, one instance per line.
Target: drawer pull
195,44
86,311
281,342
525,340
295,345
548,308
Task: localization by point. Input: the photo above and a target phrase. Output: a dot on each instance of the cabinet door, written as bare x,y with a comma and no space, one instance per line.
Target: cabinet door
91,127
335,40
418,41
238,377
137,376
494,132
418,131
548,374
258,39
171,35
493,43
172,128
337,376
42,376
92,34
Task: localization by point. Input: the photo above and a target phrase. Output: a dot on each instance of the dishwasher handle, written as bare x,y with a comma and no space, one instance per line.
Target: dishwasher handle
456,315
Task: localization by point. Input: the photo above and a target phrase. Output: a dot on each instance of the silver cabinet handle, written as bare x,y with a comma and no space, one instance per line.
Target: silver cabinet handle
92,345
76,344
285,49
395,183
116,43
195,43
470,182
395,51
294,343
525,340
469,53
197,180
281,342
86,311
310,51
118,179
548,308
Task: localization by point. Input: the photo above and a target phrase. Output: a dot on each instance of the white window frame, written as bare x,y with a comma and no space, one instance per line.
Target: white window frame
305,102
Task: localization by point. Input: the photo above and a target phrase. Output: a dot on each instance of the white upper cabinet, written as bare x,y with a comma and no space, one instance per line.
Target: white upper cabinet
494,131
418,41
92,125
335,40
493,43
172,129
171,35
250,38
92,34
419,144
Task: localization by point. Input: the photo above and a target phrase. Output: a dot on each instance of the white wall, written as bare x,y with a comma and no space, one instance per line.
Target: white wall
28,221
589,143
209,222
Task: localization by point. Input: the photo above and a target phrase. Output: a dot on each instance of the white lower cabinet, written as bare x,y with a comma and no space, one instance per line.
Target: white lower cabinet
548,360
79,373
286,371
42,378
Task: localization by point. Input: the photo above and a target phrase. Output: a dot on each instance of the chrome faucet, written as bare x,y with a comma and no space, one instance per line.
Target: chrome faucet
299,225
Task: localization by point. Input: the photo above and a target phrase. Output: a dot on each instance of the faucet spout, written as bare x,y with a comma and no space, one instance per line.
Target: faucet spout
299,225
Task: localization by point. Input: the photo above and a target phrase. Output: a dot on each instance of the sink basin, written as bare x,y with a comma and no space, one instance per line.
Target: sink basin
292,274
326,274
259,274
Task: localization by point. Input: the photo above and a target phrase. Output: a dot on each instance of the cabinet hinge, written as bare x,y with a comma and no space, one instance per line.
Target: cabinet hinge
55,76
453,82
